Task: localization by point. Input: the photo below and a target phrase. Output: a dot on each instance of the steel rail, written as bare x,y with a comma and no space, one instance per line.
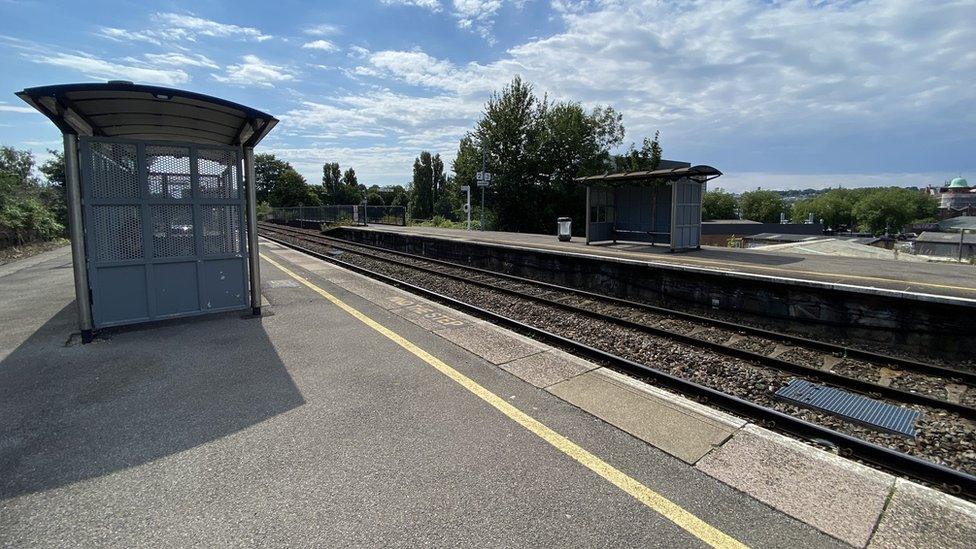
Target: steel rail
847,382
948,479
833,348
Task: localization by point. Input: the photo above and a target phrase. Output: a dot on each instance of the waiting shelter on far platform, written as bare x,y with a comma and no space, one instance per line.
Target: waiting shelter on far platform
662,206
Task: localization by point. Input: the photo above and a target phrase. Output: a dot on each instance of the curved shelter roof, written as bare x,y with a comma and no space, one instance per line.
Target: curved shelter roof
133,111
701,173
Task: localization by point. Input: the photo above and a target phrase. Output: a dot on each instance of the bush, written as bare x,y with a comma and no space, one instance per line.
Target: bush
264,210
26,219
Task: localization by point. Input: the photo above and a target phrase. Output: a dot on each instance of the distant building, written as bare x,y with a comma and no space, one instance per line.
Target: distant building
955,198
953,245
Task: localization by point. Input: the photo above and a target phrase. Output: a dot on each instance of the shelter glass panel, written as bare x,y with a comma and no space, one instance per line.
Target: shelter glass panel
169,172
218,172
118,232
114,170
172,228
221,230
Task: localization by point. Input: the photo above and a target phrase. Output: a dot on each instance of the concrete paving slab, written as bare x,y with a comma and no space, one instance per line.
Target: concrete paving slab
712,414
428,316
836,495
918,516
306,261
490,343
548,368
666,424
381,294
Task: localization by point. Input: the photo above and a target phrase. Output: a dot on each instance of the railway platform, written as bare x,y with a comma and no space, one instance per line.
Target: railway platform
353,413
911,279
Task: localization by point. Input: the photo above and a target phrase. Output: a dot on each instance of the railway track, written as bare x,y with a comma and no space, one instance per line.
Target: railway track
755,348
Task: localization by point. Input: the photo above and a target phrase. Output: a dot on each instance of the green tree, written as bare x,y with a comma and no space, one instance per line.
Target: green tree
762,206
267,174
349,178
374,198
647,158
331,183
888,209
423,186
534,148
718,204
351,192
834,208
291,189
509,137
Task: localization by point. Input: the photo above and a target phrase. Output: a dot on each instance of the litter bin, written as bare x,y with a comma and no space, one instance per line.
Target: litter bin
564,228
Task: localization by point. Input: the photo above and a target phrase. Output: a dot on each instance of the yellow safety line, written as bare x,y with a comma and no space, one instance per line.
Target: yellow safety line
665,507
728,265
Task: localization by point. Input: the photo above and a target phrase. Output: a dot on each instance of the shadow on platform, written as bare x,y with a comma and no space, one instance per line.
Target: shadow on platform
74,412
734,255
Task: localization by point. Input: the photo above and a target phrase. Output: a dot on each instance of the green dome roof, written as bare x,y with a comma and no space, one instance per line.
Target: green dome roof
958,183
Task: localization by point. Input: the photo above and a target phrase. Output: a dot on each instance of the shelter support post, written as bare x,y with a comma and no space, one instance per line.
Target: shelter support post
674,211
254,258
587,214
76,231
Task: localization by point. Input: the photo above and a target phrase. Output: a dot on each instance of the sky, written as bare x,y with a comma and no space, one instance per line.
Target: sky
775,93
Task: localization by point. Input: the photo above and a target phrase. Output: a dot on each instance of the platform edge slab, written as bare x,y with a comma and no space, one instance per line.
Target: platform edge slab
833,494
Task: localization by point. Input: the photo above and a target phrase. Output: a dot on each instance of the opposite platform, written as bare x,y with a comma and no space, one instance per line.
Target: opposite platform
861,274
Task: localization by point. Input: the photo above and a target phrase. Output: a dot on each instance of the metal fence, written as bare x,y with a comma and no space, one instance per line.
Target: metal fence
313,216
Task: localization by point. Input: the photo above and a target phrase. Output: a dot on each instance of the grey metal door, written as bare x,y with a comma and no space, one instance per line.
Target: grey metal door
686,216
164,229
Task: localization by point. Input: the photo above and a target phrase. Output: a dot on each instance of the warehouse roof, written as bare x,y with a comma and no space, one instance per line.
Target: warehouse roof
965,222
133,111
945,238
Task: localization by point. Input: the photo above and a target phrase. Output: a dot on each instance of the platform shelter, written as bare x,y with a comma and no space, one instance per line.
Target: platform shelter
662,206
161,200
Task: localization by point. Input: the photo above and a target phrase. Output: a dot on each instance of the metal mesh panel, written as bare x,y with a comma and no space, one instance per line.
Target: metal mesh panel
114,172
118,232
169,172
172,230
217,172
221,229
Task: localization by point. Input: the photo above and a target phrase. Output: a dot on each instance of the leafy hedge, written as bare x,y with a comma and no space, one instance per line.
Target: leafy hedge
31,209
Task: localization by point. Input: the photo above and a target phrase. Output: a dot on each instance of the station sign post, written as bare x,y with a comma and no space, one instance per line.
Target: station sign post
466,189
483,179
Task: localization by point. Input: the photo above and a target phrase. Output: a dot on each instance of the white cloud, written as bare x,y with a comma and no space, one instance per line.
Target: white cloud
207,27
324,29
477,15
181,60
253,71
4,107
323,45
379,165
358,51
396,115
177,27
433,5
102,69
475,10
736,66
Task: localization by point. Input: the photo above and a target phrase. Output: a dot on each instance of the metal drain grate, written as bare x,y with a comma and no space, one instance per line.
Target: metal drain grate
857,408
